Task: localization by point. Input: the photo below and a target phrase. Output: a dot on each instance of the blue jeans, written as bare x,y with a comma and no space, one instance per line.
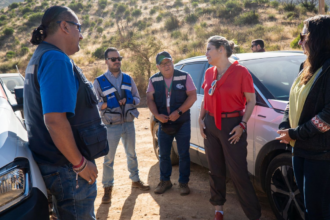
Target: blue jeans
126,132
313,180
69,203
182,138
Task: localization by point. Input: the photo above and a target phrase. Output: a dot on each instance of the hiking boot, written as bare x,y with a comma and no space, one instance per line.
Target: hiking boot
163,186
141,185
184,189
107,195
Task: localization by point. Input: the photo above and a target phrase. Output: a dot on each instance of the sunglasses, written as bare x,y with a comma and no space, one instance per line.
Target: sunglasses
253,45
113,59
302,37
74,23
213,86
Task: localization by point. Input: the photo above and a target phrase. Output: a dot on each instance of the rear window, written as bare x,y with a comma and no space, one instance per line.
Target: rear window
276,74
12,81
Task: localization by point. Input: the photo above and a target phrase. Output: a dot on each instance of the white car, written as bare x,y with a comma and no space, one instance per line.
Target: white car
23,194
11,80
269,162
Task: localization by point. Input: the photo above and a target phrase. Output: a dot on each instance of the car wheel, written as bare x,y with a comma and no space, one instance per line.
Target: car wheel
174,157
282,190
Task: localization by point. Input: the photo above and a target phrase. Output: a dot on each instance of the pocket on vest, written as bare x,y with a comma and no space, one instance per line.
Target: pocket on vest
131,114
112,118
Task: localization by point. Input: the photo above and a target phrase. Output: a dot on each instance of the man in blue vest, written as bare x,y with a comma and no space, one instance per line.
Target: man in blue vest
61,116
118,98
170,95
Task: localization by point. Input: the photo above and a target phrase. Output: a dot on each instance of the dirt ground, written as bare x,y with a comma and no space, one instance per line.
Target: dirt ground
134,204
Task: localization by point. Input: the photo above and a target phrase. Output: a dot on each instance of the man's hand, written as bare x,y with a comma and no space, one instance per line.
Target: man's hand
162,118
89,173
174,116
104,106
284,136
122,102
202,127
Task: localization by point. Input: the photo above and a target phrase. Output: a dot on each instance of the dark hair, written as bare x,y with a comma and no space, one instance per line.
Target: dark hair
317,45
109,49
259,42
49,24
218,41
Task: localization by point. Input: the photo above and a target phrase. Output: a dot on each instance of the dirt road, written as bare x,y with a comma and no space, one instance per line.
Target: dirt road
134,204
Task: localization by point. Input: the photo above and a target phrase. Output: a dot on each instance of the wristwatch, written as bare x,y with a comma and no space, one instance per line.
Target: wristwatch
180,112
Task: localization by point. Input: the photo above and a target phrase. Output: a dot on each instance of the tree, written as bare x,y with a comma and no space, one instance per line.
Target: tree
136,13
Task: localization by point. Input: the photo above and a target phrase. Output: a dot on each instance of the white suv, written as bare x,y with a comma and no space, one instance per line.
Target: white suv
269,161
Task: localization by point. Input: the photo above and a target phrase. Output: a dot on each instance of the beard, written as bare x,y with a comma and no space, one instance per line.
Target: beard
115,69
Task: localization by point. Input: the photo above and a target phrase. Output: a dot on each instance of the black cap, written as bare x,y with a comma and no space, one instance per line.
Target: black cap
161,56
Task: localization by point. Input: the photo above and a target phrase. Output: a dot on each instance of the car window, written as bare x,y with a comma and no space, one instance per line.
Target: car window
276,74
196,71
178,67
12,81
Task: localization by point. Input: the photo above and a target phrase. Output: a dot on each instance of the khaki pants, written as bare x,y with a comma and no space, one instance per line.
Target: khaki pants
220,153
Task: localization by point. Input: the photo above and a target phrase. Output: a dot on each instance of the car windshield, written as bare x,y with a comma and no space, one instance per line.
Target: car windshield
276,74
12,81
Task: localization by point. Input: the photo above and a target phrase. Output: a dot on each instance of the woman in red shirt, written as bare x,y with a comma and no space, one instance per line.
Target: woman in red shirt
229,91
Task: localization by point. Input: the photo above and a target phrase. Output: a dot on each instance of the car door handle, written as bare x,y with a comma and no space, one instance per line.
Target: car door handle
261,116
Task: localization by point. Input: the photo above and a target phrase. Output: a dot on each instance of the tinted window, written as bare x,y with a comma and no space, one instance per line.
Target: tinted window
276,74
196,71
177,67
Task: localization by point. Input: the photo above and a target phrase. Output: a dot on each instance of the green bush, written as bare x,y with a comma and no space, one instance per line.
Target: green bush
309,6
152,11
249,4
93,23
26,10
216,2
3,17
194,4
203,24
192,1
36,17
13,5
247,18
208,11
291,15
99,30
191,18
100,20
8,31
24,50
136,13
141,25
176,34
274,4
99,52
159,17
76,7
294,44
102,3
178,3
171,23
289,7
271,17
230,10
186,10
10,54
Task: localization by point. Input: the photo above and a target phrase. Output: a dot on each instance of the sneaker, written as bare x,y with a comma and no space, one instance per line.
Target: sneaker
184,189
163,186
107,195
218,216
141,185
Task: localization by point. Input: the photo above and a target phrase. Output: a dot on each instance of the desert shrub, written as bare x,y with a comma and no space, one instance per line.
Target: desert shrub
192,1
76,7
249,4
294,43
273,47
271,17
178,3
191,18
176,34
202,11
186,10
3,17
102,3
99,52
8,31
215,2
229,10
141,25
10,54
171,23
99,30
152,11
274,4
13,5
289,7
100,20
309,6
35,17
194,4
291,15
247,18
136,13
24,50
203,24
93,23
26,10
159,17
8,66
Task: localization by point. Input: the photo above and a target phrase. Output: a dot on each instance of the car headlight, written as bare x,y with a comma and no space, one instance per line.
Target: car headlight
15,183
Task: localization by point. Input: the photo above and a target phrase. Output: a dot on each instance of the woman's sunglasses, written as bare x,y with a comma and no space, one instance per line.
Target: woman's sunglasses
213,86
113,59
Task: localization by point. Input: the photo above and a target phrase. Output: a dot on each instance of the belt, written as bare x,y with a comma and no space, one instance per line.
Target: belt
229,114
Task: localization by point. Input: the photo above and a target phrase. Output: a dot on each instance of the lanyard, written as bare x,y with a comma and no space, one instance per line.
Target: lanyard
168,89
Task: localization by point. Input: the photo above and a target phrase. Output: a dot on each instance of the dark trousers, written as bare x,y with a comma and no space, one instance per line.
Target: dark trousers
220,153
182,138
313,180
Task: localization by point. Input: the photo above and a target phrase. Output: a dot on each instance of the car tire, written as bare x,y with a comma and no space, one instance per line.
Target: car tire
282,190
174,157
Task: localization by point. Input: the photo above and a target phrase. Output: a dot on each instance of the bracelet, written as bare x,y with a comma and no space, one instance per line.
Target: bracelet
81,168
79,165
244,122
242,126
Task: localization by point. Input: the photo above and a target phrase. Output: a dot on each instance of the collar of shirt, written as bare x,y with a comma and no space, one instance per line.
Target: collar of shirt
111,75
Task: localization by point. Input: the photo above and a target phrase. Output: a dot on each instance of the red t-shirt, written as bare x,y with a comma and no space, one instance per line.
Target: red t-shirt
229,93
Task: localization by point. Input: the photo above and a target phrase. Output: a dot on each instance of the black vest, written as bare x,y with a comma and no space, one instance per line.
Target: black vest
86,114
178,94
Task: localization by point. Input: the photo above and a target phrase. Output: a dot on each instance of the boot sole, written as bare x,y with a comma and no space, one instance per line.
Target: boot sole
106,202
184,194
143,189
167,188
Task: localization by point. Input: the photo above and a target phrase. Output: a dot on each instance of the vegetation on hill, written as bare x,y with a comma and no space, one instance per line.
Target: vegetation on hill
142,28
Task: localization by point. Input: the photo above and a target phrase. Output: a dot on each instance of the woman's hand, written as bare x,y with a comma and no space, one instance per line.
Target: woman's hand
202,127
237,131
284,136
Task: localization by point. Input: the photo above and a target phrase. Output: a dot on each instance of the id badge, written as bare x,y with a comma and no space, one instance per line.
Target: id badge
168,101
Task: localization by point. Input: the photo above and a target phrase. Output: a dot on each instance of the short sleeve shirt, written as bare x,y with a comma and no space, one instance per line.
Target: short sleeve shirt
229,93
58,83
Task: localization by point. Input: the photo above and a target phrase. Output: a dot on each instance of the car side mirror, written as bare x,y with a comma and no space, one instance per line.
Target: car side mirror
19,98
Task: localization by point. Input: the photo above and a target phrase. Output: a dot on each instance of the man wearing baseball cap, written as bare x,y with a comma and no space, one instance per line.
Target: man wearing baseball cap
170,95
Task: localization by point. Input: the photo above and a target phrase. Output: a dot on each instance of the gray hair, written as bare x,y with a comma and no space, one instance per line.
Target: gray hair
218,41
